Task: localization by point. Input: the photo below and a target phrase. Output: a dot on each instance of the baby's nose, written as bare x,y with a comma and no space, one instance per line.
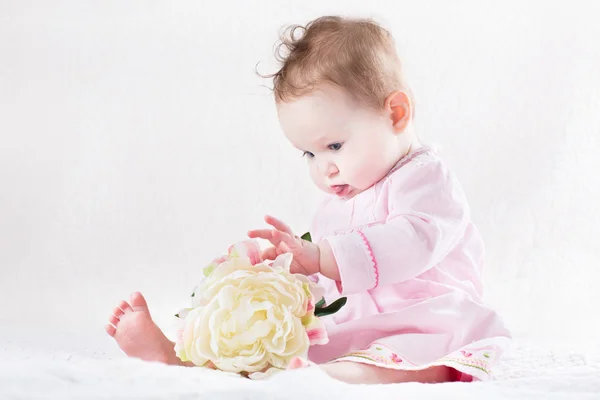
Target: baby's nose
331,170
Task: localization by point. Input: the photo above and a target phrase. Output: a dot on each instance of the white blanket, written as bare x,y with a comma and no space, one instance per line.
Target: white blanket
61,367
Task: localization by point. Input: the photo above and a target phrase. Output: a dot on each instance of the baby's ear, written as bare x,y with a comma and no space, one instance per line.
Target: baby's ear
399,107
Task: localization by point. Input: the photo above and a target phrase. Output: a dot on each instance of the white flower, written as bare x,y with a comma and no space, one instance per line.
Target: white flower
248,318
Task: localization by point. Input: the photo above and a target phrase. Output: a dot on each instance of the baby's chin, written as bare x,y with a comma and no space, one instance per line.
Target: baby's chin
344,192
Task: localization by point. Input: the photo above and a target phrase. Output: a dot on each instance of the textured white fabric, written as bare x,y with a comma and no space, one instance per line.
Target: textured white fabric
66,368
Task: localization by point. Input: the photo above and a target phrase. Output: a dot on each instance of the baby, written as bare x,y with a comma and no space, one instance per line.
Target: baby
393,235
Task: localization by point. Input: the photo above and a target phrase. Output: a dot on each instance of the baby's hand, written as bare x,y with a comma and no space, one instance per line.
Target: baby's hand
306,254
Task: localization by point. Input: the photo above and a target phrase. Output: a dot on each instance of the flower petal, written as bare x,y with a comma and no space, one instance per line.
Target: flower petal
283,261
249,249
317,334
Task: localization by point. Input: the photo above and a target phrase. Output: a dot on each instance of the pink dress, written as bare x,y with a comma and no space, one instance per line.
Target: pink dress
410,261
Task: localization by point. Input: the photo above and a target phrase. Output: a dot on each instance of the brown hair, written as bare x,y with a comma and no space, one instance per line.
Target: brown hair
357,55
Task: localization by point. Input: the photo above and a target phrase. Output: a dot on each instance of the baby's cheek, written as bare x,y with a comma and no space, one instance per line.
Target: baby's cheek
365,173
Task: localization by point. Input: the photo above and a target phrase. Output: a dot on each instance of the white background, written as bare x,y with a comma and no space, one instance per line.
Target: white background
137,143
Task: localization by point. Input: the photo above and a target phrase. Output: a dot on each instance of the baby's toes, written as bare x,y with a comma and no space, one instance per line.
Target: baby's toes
123,305
138,302
117,312
123,308
110,329
114,320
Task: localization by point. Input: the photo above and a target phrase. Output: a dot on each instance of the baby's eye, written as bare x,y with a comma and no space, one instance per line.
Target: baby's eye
335,146
308,154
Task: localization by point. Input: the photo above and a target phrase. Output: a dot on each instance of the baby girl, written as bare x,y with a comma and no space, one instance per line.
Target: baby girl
393,234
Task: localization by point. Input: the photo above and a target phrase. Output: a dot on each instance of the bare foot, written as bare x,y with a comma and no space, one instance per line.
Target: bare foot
137,335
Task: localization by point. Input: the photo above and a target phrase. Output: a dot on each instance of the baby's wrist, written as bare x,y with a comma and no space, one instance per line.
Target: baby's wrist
327,264
317,266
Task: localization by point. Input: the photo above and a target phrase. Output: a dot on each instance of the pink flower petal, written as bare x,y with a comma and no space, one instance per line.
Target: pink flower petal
247,249
253,252
317,335
299,362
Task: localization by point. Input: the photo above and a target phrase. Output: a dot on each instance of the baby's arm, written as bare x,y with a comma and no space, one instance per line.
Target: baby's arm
428,215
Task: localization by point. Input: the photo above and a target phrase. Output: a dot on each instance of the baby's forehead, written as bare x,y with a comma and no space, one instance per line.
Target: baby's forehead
305,133
309,121
321,117
318,107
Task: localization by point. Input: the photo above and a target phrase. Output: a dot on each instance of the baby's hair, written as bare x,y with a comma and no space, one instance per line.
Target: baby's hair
357,55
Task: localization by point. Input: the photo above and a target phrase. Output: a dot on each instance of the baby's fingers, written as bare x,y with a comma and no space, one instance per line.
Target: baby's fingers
268,234
285,239
269,254
279,225
260,233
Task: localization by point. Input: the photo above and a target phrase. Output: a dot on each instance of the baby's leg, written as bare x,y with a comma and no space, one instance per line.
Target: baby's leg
138,336
351,372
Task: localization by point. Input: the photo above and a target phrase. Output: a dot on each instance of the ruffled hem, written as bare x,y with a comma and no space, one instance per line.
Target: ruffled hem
473,362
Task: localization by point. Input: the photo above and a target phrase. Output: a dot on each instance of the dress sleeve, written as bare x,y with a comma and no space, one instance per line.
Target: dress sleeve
428,215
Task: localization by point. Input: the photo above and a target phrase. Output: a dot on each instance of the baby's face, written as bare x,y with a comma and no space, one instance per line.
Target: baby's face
348,147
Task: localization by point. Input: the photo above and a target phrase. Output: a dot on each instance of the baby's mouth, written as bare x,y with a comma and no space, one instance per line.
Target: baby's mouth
341,190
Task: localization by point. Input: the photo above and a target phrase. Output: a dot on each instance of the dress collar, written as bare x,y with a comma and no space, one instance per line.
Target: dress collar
408,158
